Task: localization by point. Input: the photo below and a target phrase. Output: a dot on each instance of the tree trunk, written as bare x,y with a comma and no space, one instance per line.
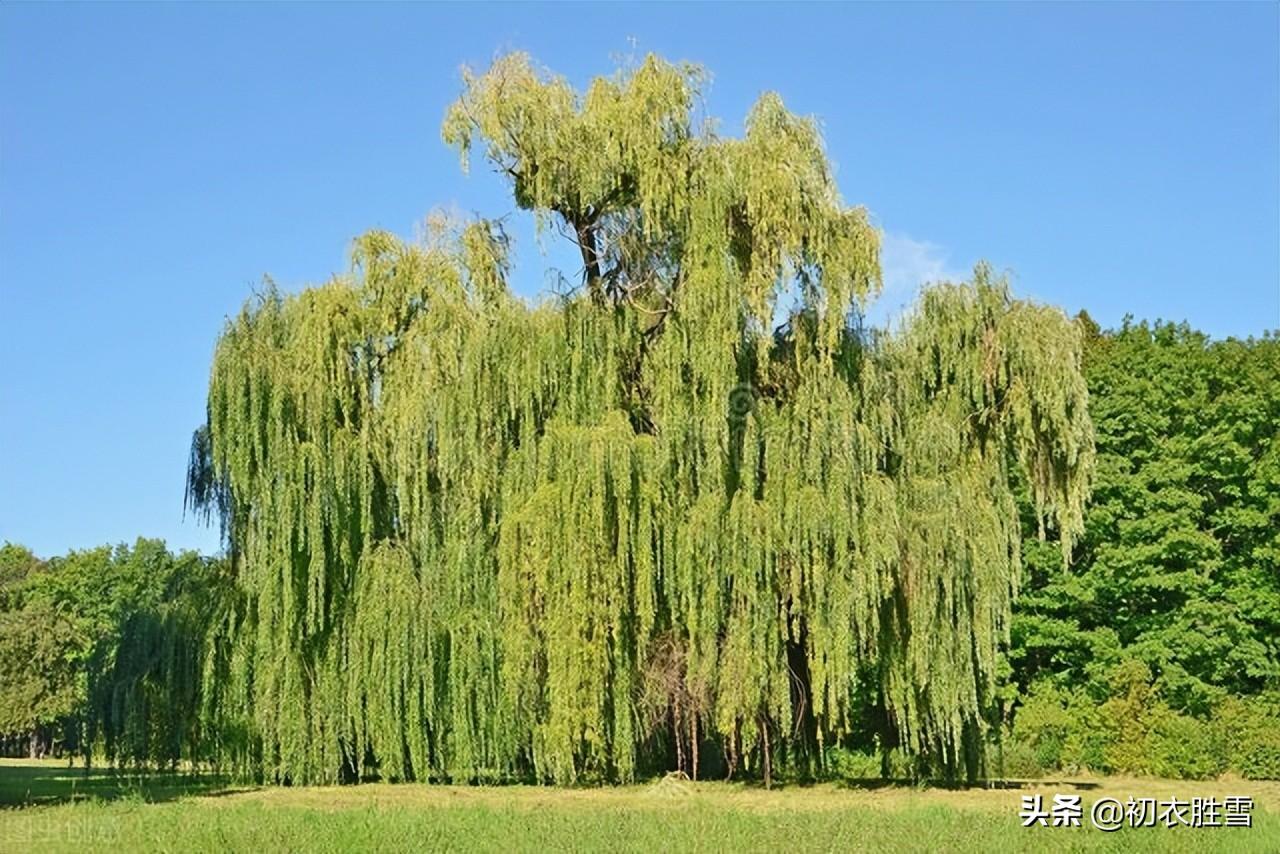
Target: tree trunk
590,258
34,748
768,757
731,752
693,742
675,729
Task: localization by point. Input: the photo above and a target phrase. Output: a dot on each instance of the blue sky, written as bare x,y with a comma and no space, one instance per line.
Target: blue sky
157,160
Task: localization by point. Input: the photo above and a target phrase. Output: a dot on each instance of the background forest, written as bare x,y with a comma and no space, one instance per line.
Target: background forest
1157,651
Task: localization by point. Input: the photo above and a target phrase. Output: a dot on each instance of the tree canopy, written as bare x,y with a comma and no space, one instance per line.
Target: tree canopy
693,504
1173,603
101,650
1179,565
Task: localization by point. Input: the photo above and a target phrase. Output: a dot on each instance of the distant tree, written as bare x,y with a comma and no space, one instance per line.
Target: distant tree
107,645
42,656
17,563
1179,566
152,701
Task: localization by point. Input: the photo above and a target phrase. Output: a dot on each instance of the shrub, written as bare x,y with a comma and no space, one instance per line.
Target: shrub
1250,732
1185,748
1020,761
1259,759
845,764
1135,732
1041,729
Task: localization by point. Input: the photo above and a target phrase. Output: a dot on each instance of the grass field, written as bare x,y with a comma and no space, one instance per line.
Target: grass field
46,806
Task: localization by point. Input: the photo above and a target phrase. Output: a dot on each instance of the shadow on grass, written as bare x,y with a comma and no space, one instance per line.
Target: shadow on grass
872,783
49,783
880,782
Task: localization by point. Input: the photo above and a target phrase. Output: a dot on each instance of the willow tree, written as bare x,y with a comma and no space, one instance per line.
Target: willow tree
691,505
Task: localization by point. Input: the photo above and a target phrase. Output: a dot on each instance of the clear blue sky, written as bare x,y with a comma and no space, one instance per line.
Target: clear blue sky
157,160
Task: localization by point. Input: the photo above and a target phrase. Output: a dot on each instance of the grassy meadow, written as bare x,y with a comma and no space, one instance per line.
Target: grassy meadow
47,806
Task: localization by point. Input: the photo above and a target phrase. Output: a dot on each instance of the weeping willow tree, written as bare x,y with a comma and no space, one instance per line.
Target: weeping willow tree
150,702
691,506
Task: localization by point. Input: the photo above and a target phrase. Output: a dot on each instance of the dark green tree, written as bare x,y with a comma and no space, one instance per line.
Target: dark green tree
1179,566
42,655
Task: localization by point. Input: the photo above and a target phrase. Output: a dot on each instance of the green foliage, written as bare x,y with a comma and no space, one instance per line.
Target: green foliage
153,701
1134,731
1260,757
1136,658
853,765
16,563
41,652
107,646
1250,730
478,539
1179,565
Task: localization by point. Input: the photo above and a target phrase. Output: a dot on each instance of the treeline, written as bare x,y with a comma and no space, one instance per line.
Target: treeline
102,653
1157,651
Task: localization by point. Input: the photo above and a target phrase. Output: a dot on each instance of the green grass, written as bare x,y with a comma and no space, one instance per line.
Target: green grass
48,807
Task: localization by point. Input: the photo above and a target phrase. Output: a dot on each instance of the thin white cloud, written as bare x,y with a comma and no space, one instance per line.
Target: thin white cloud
907,265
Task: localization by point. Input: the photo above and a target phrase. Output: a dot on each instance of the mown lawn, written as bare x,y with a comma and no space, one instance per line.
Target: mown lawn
46,806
